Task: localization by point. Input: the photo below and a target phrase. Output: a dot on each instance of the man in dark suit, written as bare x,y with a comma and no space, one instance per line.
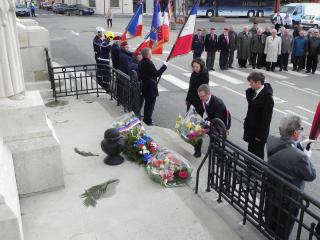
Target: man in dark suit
211,46
213,108
148,75
259,113
224,48
115,52
198,44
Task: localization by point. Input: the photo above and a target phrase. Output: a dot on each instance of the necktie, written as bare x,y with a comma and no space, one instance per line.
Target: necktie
212,36
254,94
227,39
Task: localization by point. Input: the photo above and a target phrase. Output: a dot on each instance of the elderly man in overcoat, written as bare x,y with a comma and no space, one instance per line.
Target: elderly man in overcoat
259,113
243,47
257,49
272,50
288,154
286,49
232,45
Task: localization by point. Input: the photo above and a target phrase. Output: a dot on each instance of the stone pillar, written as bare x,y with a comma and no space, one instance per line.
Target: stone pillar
25,129
11,75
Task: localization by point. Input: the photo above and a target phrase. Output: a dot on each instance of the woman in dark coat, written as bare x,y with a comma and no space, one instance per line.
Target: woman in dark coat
199,76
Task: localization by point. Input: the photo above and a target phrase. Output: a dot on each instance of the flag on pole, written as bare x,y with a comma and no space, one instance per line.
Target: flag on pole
134,28
315,128
163,31
183,43
152,38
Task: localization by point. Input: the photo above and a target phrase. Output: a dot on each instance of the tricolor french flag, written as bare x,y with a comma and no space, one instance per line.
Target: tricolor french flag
134,28
183,43
152,38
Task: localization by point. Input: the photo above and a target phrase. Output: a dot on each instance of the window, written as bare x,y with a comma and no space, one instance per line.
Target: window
114,3
92,3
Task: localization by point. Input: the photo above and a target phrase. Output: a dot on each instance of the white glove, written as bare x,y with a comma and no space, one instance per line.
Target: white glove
166,64
308,153
306,141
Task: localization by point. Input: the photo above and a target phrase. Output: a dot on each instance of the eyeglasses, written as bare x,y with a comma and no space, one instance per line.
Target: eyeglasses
300,129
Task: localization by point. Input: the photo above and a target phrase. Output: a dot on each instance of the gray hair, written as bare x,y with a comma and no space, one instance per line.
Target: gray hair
204,88
145,52
273,31
288,125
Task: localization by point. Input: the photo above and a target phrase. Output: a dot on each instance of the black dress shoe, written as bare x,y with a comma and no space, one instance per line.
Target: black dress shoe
285,69
280,69
230,67
212,69
313,72
197,154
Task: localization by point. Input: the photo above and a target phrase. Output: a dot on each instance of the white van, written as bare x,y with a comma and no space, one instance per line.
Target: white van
297,10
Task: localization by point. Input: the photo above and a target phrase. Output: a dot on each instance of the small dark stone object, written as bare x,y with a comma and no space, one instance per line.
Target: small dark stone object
113,144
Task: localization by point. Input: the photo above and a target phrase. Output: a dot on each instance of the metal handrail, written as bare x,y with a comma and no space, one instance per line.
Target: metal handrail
263,195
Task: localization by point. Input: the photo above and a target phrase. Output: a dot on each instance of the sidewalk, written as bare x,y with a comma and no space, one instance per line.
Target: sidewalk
138,209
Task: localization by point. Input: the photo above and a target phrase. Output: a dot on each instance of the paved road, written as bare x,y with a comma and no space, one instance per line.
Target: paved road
295,93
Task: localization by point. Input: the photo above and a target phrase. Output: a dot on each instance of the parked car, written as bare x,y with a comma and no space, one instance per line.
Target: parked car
47,6
297,10
310,21
22,10
79,9
59,8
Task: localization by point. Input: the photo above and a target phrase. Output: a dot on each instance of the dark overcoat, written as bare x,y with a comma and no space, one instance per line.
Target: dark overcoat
259,114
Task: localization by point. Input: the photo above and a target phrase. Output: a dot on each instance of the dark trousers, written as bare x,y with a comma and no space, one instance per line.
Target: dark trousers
242,62
257,148
279,212
298,62
223,59
33,13
210,59
270,65
197,55
109,22
148,110
231,58
277,26
198,146
312,62
284,58
257,59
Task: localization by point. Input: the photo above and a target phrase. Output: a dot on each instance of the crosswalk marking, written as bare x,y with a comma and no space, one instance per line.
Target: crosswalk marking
211,83
226,77
242,74
162,89
278,100
294,113
272,74
290,83
305,109
231,90
173,65
311,90
297,88
175,81
297,74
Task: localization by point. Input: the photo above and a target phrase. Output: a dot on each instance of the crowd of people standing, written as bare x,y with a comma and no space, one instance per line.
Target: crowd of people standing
269,48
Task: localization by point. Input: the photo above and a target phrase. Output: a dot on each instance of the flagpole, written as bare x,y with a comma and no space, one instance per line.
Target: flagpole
168,58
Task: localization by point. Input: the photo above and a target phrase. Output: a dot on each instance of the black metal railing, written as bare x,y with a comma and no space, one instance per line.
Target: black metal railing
263,195
96,79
